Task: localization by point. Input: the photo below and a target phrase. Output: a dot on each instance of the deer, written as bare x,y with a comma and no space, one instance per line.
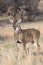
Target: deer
24,36
28,35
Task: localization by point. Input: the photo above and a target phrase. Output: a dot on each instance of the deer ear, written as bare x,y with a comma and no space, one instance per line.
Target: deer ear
11,21
19,20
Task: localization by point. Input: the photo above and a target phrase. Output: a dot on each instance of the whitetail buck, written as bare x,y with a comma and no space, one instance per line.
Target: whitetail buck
27,35
23,36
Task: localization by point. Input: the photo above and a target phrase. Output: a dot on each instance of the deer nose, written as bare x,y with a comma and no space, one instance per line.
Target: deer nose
14,26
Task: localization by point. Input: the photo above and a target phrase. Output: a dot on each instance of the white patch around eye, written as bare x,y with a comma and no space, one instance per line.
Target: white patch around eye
16,29
11,21
19,20
35,44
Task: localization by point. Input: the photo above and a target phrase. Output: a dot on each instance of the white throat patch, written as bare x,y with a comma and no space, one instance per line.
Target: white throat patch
17,29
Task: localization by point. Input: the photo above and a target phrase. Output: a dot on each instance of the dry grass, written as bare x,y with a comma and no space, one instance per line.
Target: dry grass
9,55
4,17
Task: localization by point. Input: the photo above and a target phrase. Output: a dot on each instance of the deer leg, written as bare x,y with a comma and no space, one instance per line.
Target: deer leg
17,46
24,47
36,44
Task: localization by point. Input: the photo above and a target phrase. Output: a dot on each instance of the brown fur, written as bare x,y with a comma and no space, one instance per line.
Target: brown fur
28,35
24,36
